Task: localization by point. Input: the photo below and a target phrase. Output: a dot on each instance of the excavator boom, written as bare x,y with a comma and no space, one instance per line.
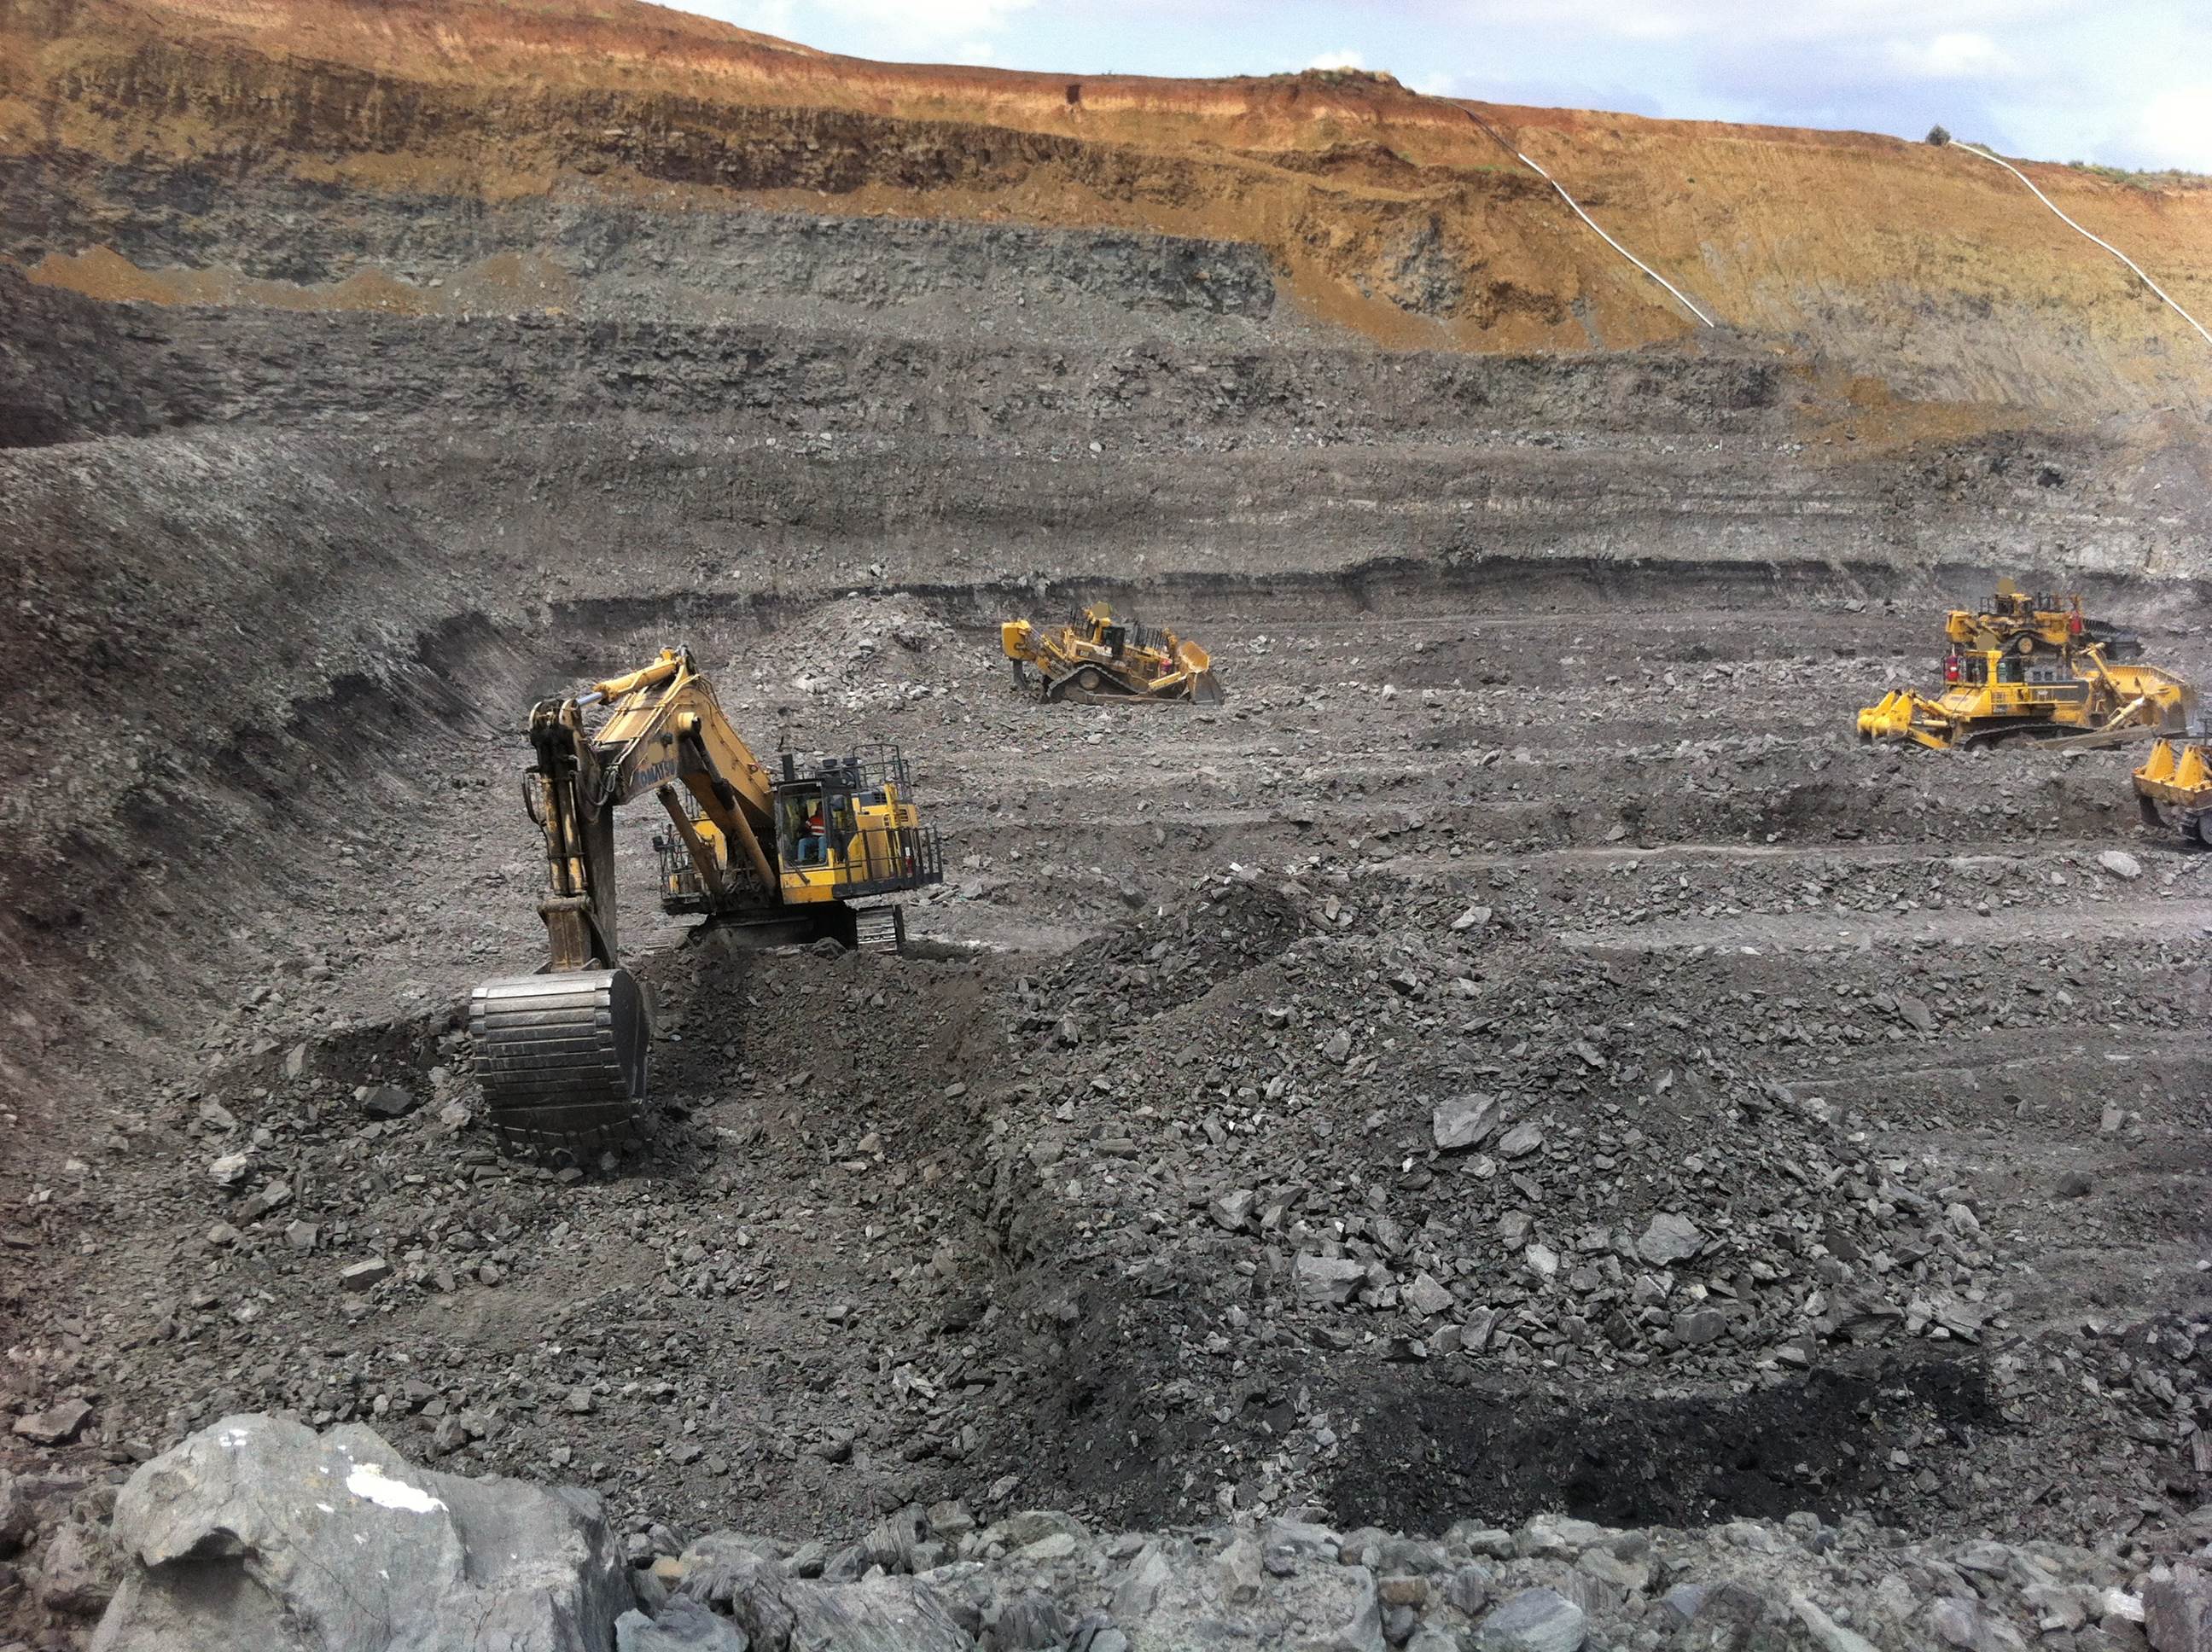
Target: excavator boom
561,1053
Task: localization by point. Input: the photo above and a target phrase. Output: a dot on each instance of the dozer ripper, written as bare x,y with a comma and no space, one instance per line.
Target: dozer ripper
2174,788
2034,668
1102,660
788,854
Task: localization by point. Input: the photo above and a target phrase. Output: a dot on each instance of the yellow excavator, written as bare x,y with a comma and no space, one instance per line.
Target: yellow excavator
2034,668
1103,660
788,854
2174,788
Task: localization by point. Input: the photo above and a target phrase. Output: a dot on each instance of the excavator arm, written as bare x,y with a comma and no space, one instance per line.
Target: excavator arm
663,731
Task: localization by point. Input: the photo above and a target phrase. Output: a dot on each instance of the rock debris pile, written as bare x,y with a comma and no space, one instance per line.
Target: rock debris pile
258,1528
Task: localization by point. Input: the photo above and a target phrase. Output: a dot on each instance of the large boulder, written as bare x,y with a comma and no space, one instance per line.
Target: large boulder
258,1532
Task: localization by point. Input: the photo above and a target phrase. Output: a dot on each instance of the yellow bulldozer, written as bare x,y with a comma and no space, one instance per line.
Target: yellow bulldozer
1104,660
793,853
2174,788
2034,668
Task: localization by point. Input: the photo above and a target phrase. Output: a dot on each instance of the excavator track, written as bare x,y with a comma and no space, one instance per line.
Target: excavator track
562,1057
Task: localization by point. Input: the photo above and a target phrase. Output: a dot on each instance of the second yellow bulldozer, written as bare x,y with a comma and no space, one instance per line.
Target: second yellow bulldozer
1103,659
2034,668
2174,788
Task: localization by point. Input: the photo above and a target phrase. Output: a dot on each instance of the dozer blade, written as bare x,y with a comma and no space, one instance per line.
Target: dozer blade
1205,690
561,1056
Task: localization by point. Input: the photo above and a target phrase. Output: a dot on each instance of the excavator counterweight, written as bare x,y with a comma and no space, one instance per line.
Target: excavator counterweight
786,855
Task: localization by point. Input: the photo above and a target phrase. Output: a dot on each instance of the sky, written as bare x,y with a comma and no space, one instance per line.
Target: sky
2119,83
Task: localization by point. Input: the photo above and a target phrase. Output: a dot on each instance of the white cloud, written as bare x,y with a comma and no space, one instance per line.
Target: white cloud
1338,60
961,27
1957,55
2176,129
1748,22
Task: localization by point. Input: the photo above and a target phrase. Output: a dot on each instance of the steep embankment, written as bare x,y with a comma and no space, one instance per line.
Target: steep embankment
484,156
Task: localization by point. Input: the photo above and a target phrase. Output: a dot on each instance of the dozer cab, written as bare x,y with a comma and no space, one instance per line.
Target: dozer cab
786,854
2034,668
2173,789
1101,660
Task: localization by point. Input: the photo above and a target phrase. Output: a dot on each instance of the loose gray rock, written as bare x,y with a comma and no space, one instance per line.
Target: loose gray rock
1467,1590
1962,1623
876,1614
1365,1633
1520,1140
1831,1636
1139,1590
2178,1608
1232,1209
1426,1296
365,1275
682,1625
1028,1622
1669,1240
284,1528
1326,1281
55,1425
1699,1327
1534,1620
77,1572
1463,1121
2122,864
18,1513
390,1102
707,1566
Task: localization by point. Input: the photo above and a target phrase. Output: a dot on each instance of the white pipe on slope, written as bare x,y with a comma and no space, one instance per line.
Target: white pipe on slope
2101,241
1612,243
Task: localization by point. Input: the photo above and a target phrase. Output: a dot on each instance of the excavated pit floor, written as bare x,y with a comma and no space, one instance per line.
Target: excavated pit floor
945,1224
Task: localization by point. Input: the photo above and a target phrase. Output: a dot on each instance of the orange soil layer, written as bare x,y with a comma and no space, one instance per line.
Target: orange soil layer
1927,268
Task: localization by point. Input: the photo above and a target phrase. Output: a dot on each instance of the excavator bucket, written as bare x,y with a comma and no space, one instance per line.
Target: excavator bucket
561,1056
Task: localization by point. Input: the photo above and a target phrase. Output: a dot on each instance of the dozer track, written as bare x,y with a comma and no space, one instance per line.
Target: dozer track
561,1056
